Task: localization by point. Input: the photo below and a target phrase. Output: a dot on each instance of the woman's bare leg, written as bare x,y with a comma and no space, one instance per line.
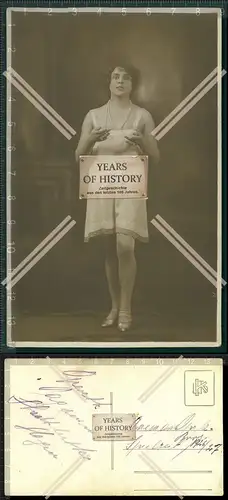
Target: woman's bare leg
111,269
127,271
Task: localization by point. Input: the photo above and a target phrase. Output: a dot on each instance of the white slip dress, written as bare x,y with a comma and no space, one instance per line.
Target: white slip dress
112,216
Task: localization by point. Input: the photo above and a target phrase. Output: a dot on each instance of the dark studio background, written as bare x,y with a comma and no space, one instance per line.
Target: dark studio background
65,59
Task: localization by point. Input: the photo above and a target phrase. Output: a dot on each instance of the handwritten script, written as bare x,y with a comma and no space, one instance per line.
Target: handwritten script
52,397
186,435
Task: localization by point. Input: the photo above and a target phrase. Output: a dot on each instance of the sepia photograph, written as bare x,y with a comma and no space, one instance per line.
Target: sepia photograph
114,183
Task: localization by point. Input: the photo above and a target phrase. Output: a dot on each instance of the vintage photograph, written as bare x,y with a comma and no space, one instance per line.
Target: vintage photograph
114,177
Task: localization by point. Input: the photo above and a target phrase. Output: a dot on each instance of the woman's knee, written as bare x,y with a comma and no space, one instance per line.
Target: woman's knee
125,245
109,246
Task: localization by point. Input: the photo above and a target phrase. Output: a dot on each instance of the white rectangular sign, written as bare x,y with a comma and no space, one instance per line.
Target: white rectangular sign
116,427
113,176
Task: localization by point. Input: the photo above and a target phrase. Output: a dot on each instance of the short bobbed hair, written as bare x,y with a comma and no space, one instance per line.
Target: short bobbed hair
131,70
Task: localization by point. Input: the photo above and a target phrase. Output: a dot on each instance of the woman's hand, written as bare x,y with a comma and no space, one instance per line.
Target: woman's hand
98,134
135,138
89,136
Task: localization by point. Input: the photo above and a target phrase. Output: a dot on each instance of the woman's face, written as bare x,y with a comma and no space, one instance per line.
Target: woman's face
121,82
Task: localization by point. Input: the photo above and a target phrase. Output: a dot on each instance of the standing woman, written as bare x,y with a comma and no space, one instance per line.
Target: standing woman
118,127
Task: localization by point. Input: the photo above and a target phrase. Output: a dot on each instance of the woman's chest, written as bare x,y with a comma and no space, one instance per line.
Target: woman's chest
116,143
119,120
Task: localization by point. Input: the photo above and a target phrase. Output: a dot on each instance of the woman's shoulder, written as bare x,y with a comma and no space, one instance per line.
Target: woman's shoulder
143,112
97,115
98,111
143,118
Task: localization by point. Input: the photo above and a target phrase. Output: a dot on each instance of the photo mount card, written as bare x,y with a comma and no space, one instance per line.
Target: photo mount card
153,95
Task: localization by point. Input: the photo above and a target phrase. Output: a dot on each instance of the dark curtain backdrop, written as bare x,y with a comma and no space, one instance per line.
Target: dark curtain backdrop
65,59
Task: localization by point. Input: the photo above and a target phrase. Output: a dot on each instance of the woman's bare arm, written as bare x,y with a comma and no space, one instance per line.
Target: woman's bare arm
144,139
89,136
149,142
84,144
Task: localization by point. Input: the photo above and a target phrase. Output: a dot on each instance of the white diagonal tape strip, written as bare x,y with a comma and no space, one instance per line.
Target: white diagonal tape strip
154,132
66,474
41,100
37,105
158,382
166,479
188,107
188,247
36,249
184,252
184,102
41,254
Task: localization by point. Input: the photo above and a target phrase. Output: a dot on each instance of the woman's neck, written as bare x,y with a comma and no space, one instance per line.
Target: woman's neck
120,101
